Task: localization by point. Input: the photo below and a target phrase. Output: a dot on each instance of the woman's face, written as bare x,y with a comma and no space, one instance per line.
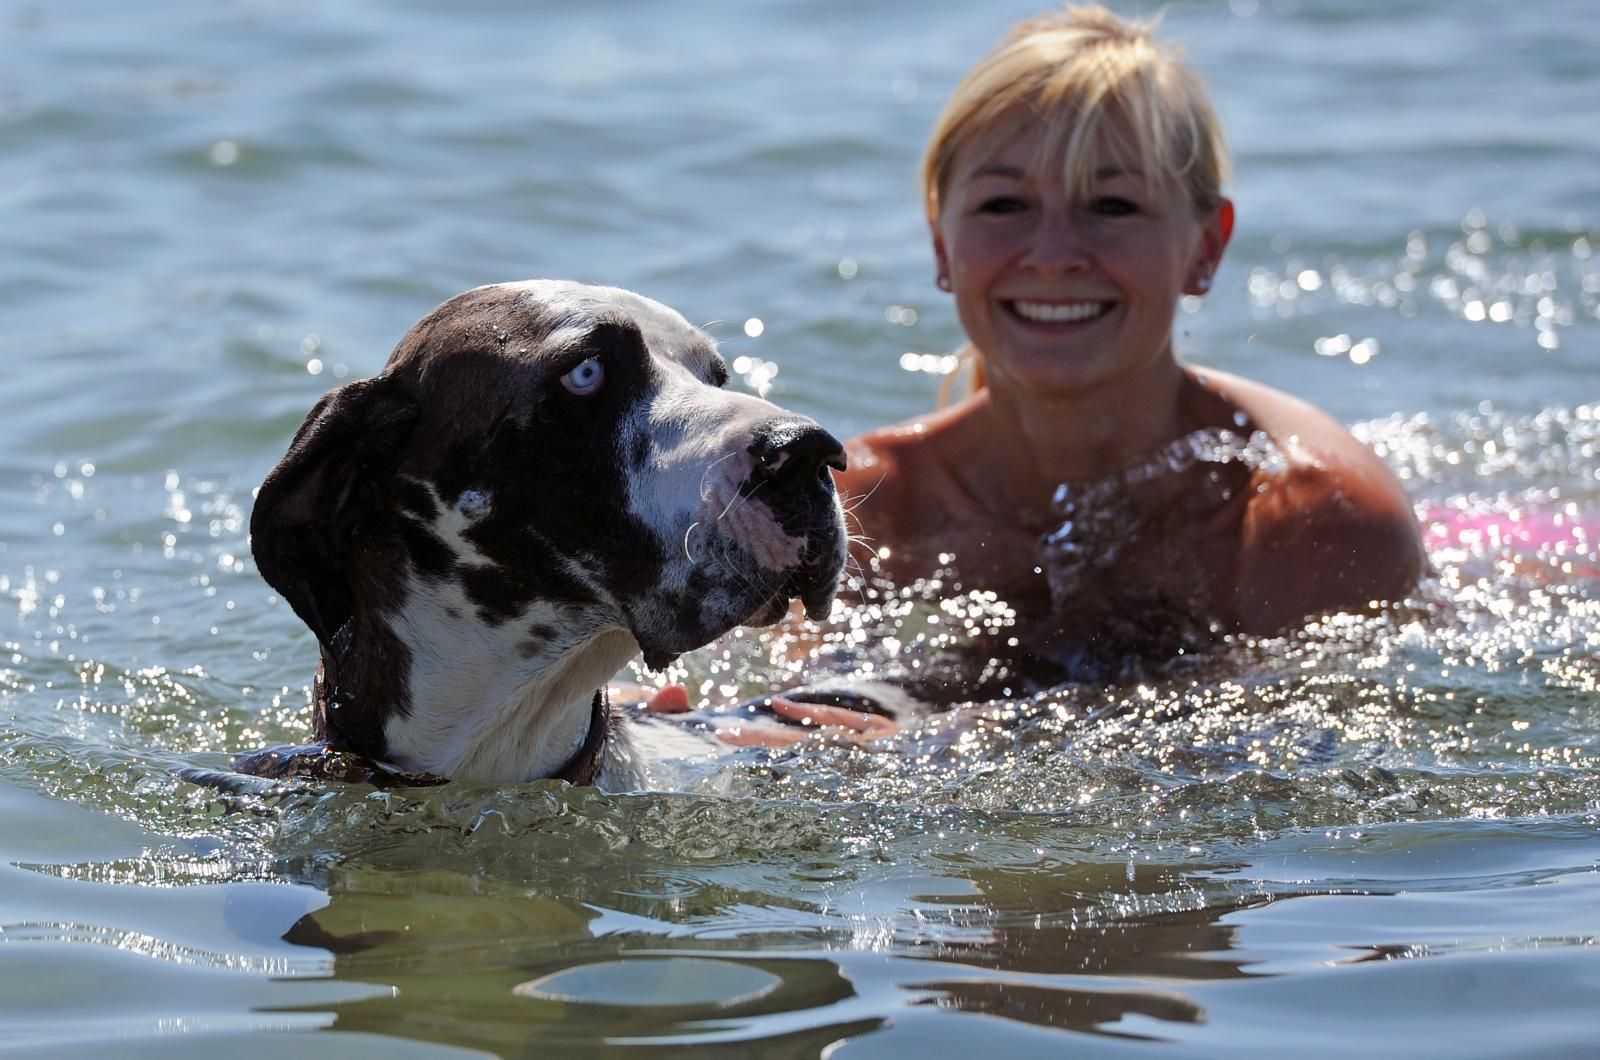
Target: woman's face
1061,292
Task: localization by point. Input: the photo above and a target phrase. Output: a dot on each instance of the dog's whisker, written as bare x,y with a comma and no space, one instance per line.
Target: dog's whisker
687,552
856,502
705,476
858,539
739,573
854,543
738,498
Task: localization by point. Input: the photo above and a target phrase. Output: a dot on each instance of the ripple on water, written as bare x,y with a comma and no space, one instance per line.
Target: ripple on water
1543,281
1472,701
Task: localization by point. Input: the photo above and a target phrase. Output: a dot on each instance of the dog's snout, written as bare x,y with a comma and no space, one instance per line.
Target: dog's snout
795,451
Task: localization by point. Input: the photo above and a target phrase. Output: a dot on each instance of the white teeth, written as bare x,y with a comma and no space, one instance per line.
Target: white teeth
1059,312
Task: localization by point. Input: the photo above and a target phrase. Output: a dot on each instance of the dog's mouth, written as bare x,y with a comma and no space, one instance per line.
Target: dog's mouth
814,584
815,593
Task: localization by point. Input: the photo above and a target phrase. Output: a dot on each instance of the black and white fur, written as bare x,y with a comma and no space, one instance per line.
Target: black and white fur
480,537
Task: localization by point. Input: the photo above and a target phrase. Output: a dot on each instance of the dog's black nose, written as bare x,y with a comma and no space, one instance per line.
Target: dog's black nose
795,451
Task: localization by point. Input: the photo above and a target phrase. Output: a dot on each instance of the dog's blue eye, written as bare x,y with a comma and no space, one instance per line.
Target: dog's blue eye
586,378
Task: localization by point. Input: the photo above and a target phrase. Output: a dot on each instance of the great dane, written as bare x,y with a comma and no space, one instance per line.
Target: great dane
545,479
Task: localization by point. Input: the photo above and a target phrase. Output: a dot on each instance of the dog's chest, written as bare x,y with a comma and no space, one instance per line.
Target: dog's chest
501,699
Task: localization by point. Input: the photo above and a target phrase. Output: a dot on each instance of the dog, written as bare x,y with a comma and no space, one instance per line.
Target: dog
546,479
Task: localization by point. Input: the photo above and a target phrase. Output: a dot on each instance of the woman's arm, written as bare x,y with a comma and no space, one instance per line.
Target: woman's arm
1320,540
1333,531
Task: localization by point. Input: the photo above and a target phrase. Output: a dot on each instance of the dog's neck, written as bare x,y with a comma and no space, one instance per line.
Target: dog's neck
447,709
583,768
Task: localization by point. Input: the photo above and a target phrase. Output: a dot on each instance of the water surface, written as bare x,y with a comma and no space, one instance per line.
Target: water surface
1379,831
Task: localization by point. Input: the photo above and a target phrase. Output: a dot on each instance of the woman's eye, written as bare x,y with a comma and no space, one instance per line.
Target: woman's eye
586,378
1002,204
1114,206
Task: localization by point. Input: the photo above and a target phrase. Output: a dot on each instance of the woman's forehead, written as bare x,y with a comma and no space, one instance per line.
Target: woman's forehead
1034,150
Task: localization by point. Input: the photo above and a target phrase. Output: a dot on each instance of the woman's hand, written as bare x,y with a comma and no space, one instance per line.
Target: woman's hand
668,699
857,726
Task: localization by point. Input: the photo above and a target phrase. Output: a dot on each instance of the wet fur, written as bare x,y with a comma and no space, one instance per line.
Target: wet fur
477,549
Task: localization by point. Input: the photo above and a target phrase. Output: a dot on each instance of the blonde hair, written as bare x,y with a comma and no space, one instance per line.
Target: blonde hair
1089,78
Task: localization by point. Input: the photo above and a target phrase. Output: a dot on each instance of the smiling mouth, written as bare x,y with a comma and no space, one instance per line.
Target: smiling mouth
1058,312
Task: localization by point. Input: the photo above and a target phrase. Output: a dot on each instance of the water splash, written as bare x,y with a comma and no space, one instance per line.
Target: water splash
1474,699
1101,518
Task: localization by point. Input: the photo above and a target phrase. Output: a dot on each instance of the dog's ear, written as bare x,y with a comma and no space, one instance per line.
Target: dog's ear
312,503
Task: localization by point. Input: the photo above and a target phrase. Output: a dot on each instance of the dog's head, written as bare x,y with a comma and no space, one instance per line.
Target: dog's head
541,464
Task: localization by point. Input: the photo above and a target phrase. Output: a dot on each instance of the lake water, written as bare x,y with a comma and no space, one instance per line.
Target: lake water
1380,832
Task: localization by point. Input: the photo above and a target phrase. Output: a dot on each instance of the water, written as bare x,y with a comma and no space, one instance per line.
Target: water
1381,830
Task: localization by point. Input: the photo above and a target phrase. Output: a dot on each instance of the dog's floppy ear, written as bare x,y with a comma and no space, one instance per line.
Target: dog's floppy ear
311,503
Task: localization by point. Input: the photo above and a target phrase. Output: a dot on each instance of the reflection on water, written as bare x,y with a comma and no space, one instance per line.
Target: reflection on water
475,969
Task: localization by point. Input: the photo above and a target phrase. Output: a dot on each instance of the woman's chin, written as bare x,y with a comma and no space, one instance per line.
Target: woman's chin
1054,374
1072,368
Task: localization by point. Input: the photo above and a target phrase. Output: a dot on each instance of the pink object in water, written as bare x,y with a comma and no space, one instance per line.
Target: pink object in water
1502,527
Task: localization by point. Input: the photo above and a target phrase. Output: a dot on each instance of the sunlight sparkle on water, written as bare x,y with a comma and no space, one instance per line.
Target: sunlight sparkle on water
1485,275
1366,717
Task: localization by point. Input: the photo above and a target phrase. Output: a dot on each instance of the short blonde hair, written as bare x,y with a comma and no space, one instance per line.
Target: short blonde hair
1080,72
1077,72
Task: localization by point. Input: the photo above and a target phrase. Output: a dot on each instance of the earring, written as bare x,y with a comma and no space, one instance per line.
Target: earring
943,283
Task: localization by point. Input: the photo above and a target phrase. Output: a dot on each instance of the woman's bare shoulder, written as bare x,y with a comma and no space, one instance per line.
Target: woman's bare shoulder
874,464
1316,541
889,461
899,482
1331,528
1302,432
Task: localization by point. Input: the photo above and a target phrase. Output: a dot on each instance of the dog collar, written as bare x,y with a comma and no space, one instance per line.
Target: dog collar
584,766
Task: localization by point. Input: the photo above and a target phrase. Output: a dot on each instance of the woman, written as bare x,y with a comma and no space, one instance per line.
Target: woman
1073,191
1121,502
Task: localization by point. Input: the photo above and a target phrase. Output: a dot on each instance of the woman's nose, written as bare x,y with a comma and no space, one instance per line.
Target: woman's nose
1055,245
